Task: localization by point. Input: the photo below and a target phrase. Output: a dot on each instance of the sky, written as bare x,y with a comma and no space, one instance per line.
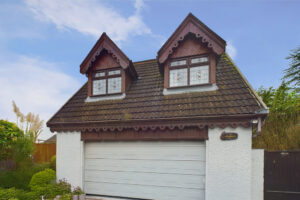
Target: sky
43,42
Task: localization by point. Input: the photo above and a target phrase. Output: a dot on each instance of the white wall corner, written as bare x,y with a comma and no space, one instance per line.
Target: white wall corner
228,165
257,174
70,158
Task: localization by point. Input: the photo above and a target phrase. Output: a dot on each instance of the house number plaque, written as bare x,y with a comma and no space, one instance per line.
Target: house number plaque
229,136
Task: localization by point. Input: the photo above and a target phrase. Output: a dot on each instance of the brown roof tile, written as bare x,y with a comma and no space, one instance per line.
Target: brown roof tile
145,100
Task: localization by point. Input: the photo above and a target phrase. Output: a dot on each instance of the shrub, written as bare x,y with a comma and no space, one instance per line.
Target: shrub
9,132
20,178
64,186
77,191
52,190
10,193
66,197
42,178
53,162
22,151
29,196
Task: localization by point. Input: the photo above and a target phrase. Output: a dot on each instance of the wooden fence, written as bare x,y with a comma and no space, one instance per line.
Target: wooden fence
44,152
282,175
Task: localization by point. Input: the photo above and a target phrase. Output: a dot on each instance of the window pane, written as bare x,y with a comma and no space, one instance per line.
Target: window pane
99,74
114,85
178,77
114,72
199,75
178,63
99,87
199,60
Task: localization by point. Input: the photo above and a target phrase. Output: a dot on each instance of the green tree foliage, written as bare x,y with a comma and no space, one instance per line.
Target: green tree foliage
9,133
281,130
22,151
292,74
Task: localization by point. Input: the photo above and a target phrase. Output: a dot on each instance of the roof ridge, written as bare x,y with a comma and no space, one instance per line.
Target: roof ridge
144,61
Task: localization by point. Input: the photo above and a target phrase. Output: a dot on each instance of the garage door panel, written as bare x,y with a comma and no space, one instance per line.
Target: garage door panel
147,152
145,192
147,179
154,166
146,170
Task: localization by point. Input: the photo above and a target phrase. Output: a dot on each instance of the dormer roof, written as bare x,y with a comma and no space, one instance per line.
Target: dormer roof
106,44
191,25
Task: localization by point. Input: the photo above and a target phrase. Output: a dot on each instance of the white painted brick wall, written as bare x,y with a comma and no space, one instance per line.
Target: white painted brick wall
69,158
257,174
230,173
228,165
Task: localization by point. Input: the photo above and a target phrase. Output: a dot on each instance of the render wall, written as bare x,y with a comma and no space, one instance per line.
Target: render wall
69,158
233,170
228,165
257,174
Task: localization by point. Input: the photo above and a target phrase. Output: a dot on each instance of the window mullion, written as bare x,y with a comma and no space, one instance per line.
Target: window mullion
188,71
106,85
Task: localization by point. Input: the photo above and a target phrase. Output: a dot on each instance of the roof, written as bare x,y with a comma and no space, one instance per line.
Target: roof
145,101
51,140
191,24
105,44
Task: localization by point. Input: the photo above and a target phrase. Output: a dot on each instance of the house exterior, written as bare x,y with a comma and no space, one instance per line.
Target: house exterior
175,127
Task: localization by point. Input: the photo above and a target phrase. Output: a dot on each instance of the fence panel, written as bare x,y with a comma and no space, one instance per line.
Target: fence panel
44,152
282,175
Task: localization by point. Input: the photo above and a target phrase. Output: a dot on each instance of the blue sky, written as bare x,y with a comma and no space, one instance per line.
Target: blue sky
43,42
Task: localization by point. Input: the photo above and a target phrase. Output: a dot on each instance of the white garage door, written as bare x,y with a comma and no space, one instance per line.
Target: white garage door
146,170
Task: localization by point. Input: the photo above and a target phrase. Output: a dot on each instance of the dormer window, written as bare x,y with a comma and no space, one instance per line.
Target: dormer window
189,71
107,82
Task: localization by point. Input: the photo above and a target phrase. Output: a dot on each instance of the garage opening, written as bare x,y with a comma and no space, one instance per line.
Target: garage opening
146,170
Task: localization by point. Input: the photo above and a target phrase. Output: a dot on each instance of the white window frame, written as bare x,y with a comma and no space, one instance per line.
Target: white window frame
201,61
107,75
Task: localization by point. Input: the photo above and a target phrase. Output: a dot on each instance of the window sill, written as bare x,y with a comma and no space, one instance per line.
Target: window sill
105,97
182,90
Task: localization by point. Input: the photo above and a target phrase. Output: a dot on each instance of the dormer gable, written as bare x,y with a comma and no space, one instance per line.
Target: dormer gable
193,25
108,69
188,58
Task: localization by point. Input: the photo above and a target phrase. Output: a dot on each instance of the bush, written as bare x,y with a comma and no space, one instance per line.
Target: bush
42,178
10,193
53,162
22,151
29,196
9,132
66,197
52,190
21,177
41,185
77,191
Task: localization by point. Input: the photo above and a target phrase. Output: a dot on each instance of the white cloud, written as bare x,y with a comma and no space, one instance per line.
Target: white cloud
35,85
90,17
231,50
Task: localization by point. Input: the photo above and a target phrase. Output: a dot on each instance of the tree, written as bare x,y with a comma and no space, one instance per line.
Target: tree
281,130
30,123
9,132
292,74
